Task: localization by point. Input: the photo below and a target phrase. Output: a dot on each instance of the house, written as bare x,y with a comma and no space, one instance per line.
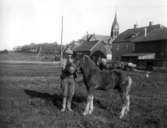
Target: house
95,46
145,46
98,45
124,43
155,46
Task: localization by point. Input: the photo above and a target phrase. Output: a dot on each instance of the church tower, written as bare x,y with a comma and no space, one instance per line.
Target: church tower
115,28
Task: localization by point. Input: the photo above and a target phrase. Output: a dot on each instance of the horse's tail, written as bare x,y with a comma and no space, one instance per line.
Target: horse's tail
129,85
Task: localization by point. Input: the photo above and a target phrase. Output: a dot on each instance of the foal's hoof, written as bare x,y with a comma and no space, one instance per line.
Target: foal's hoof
69,109
122,116
90,112
84,113
63,110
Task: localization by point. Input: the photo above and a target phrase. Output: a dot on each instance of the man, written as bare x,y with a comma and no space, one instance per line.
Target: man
68,83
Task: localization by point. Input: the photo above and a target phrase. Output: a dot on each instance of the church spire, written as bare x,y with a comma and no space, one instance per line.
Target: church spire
115,28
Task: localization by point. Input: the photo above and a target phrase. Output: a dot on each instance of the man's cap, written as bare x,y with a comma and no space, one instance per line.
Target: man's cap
69,51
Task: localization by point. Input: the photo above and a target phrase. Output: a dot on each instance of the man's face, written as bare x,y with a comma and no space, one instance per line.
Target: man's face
70,58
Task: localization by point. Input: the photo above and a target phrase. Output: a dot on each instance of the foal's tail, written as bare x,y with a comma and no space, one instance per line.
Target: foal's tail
129,85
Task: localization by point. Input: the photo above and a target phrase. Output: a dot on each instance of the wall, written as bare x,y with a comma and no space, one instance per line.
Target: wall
119,49
157,47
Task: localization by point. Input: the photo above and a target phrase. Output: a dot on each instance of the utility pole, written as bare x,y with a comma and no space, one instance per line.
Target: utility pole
61,55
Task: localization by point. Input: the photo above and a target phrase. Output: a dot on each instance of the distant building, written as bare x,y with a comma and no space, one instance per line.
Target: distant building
95,46
124,43
98,45
115,28
146,46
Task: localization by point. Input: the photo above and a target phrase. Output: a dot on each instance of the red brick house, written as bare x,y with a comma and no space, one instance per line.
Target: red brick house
124,43
155,44
145,46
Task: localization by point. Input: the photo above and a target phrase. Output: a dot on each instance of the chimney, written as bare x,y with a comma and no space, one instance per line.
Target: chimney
145,31
135,26
150,23
87,35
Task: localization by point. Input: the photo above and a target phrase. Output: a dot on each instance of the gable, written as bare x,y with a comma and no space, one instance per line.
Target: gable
94,37
157,34
134,33
85,46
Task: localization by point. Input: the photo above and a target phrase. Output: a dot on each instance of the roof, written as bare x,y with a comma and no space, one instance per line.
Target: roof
115,24
157,34
94,37
141,56
88,41
137,54
134,33
85,46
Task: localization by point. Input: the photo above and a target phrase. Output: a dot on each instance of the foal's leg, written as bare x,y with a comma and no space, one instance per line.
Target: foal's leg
128,88
87,105
91,104
126,99
124,107
128,103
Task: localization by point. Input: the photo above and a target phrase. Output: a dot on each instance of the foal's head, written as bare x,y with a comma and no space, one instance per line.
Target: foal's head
77,61
84,63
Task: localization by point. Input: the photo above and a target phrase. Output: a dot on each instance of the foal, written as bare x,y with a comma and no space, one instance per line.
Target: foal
95,79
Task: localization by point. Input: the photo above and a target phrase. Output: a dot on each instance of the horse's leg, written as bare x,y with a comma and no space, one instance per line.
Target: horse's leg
91,104
87,105
126,105
125,96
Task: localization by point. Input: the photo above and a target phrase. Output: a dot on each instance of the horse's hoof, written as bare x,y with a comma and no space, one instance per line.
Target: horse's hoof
90,112
84,113
63,110
121,116
69,109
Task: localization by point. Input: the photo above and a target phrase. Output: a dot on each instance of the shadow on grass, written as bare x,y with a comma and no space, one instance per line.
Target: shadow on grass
56,99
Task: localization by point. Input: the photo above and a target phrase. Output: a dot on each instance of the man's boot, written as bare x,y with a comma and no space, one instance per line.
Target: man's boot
69,105
64,104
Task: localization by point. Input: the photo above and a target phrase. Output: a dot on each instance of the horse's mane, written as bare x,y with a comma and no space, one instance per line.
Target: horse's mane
88,65
89,62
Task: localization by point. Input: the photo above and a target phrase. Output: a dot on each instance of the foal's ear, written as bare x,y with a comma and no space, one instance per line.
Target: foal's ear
85,58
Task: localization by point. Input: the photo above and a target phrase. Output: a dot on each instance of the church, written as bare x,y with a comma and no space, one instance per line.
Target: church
98,45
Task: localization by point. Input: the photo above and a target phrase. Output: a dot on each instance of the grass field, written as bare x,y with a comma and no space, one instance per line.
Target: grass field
30,97
18,56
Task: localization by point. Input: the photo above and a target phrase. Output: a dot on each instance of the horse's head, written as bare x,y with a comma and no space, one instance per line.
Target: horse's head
77,62
81,62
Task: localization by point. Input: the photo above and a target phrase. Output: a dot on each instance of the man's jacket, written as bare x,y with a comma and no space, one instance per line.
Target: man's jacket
69,70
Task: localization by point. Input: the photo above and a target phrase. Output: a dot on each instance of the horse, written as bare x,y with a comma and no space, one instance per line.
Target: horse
96,79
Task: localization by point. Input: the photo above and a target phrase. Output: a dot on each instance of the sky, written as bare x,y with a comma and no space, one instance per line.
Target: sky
38,21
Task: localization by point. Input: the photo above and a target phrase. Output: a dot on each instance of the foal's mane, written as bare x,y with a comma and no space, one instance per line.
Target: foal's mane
89,63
